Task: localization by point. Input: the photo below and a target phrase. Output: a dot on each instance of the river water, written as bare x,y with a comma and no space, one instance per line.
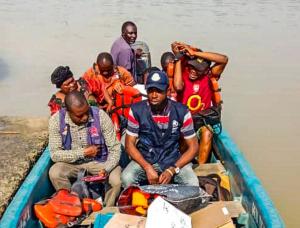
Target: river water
261,84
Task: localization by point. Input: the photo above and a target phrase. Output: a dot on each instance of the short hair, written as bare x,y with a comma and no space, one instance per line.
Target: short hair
104,55
125,24
75,99
61,74
165,56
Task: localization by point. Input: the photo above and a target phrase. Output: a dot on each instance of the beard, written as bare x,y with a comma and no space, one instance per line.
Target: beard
158,108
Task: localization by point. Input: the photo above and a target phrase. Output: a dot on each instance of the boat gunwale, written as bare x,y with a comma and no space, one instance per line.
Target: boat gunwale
17,207
253,186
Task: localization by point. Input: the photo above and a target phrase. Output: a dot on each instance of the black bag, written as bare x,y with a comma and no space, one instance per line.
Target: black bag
210,116
211,184
186,198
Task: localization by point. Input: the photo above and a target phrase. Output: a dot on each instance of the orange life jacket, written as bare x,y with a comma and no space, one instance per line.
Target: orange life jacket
89,205
62,208
170,73
45,213
123,102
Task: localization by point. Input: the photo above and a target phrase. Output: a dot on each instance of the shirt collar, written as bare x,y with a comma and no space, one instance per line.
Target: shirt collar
69,121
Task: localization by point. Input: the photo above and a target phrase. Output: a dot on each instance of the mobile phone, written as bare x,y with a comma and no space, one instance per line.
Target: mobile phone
95,178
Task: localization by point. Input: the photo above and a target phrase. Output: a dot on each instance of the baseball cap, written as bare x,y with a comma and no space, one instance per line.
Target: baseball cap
157,79
199,64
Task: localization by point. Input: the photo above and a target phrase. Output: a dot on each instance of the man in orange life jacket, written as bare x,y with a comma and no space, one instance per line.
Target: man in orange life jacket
193,86
104,75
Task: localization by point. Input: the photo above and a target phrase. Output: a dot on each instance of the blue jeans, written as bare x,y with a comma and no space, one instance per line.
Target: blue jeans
135,174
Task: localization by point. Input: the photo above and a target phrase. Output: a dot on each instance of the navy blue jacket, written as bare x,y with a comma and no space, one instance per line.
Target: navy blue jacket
155,147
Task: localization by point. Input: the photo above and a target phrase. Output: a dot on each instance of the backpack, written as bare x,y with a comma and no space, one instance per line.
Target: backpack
210,116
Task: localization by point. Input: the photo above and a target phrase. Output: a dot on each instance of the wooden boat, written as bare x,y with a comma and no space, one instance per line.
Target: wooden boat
245,186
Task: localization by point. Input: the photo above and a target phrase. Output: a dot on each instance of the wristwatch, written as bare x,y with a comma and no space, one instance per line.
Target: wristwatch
177,169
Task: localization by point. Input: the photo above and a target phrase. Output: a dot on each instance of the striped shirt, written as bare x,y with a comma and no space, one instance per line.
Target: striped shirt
162,121
79,141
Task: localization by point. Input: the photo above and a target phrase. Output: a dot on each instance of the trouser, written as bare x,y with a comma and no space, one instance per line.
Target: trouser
61,173
135,174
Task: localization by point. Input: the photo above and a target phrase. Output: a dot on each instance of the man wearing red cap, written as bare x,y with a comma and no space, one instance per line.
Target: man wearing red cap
192,82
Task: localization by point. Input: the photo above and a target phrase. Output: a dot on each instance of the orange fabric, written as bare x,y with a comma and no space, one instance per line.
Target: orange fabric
116,122
128,97
46,214
120,74
97,82
66,203
171,90
90,204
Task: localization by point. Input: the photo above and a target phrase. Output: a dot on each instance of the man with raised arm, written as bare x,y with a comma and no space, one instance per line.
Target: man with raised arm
192,82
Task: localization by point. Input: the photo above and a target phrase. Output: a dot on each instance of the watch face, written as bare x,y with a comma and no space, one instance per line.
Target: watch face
177,169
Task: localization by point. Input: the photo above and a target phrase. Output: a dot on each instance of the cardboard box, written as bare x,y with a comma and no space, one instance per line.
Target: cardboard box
124,221
215,215
163,214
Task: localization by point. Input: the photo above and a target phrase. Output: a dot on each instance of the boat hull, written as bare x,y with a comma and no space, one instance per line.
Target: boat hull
245,186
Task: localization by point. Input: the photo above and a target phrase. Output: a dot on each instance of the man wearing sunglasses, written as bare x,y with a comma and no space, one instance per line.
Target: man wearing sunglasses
83,137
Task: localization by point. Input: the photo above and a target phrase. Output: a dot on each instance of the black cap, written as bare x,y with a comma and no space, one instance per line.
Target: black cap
199,64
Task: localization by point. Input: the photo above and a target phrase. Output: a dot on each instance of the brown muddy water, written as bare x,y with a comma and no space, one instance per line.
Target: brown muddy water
261,85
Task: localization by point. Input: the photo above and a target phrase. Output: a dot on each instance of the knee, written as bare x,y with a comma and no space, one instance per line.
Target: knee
127,178
56,171
115,177
206,135
193,181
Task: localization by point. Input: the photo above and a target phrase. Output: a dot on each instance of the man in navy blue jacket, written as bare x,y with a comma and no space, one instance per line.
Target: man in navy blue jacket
158,123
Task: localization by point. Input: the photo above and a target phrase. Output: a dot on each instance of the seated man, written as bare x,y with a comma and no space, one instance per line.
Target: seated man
108,75
192,81
158,123
63,78
89,142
